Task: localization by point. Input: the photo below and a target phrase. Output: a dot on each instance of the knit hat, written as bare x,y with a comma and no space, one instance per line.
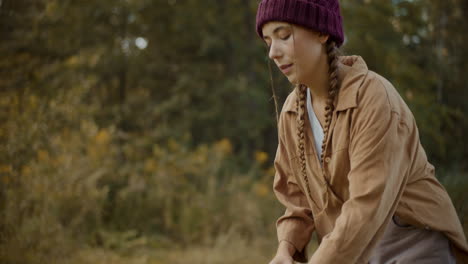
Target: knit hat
320,15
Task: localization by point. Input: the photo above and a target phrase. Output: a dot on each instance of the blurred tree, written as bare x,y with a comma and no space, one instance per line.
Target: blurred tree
410,48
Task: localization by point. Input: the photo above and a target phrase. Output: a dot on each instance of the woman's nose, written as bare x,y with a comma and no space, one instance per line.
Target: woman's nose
274,52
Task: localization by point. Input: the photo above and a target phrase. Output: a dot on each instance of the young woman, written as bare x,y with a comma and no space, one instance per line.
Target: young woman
349,163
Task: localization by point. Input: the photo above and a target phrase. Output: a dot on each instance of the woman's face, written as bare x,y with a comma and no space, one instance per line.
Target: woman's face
297,51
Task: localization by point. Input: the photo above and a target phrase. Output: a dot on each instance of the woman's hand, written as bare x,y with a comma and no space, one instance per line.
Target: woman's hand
284,253
282,259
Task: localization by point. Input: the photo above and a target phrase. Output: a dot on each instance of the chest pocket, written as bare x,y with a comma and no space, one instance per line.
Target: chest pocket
337,162
341,131
338,169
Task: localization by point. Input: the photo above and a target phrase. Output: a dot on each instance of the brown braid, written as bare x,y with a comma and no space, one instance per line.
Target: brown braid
301,99
301,90
332,52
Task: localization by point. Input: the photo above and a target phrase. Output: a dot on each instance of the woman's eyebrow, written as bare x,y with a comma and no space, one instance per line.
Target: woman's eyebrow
276,30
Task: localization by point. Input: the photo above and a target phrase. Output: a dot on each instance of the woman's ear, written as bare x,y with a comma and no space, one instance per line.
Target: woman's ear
323,38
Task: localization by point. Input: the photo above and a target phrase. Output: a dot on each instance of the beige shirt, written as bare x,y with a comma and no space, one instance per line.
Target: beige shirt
374,167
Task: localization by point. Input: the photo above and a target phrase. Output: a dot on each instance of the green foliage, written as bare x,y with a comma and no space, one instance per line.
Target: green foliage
72,187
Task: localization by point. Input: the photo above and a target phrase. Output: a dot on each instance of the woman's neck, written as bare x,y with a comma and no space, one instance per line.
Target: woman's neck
319,82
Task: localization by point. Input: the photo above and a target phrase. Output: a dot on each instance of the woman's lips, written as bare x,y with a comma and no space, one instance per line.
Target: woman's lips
286,68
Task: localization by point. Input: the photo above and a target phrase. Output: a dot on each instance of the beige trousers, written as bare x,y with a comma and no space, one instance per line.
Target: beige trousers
406,244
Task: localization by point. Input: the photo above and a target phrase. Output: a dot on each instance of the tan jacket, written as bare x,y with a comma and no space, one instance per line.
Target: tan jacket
374,167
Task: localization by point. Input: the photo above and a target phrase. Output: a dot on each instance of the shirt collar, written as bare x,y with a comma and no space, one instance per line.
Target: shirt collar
352,71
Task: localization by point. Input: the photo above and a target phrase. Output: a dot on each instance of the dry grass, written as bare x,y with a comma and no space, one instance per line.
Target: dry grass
229,248
226,251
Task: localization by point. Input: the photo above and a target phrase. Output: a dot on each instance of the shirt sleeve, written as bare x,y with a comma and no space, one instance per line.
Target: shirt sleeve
296,224
379,158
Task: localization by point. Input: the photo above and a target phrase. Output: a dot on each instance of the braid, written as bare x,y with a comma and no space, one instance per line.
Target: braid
332,52
301,90
301,101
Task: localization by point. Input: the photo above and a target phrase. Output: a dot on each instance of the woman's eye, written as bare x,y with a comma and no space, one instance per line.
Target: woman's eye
285,38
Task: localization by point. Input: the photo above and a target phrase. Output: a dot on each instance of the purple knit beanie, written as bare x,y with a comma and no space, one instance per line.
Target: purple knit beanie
320,15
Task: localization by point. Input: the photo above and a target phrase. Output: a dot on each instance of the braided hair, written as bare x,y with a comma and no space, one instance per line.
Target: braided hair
332,53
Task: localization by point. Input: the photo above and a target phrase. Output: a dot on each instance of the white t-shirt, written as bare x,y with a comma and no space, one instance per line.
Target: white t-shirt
317,129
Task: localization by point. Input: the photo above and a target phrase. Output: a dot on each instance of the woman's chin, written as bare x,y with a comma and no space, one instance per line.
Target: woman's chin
292,79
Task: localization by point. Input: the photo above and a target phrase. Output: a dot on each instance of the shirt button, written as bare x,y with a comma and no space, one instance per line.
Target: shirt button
427,228
327,159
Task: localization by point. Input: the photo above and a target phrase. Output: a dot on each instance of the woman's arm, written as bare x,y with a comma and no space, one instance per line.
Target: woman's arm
296,225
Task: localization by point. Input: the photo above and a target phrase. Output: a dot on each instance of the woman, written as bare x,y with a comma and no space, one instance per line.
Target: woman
349,163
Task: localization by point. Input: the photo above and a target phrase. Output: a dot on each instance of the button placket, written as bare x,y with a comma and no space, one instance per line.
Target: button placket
316,170
327,159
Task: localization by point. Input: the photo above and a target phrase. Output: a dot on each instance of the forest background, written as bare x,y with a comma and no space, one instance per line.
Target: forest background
143,131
